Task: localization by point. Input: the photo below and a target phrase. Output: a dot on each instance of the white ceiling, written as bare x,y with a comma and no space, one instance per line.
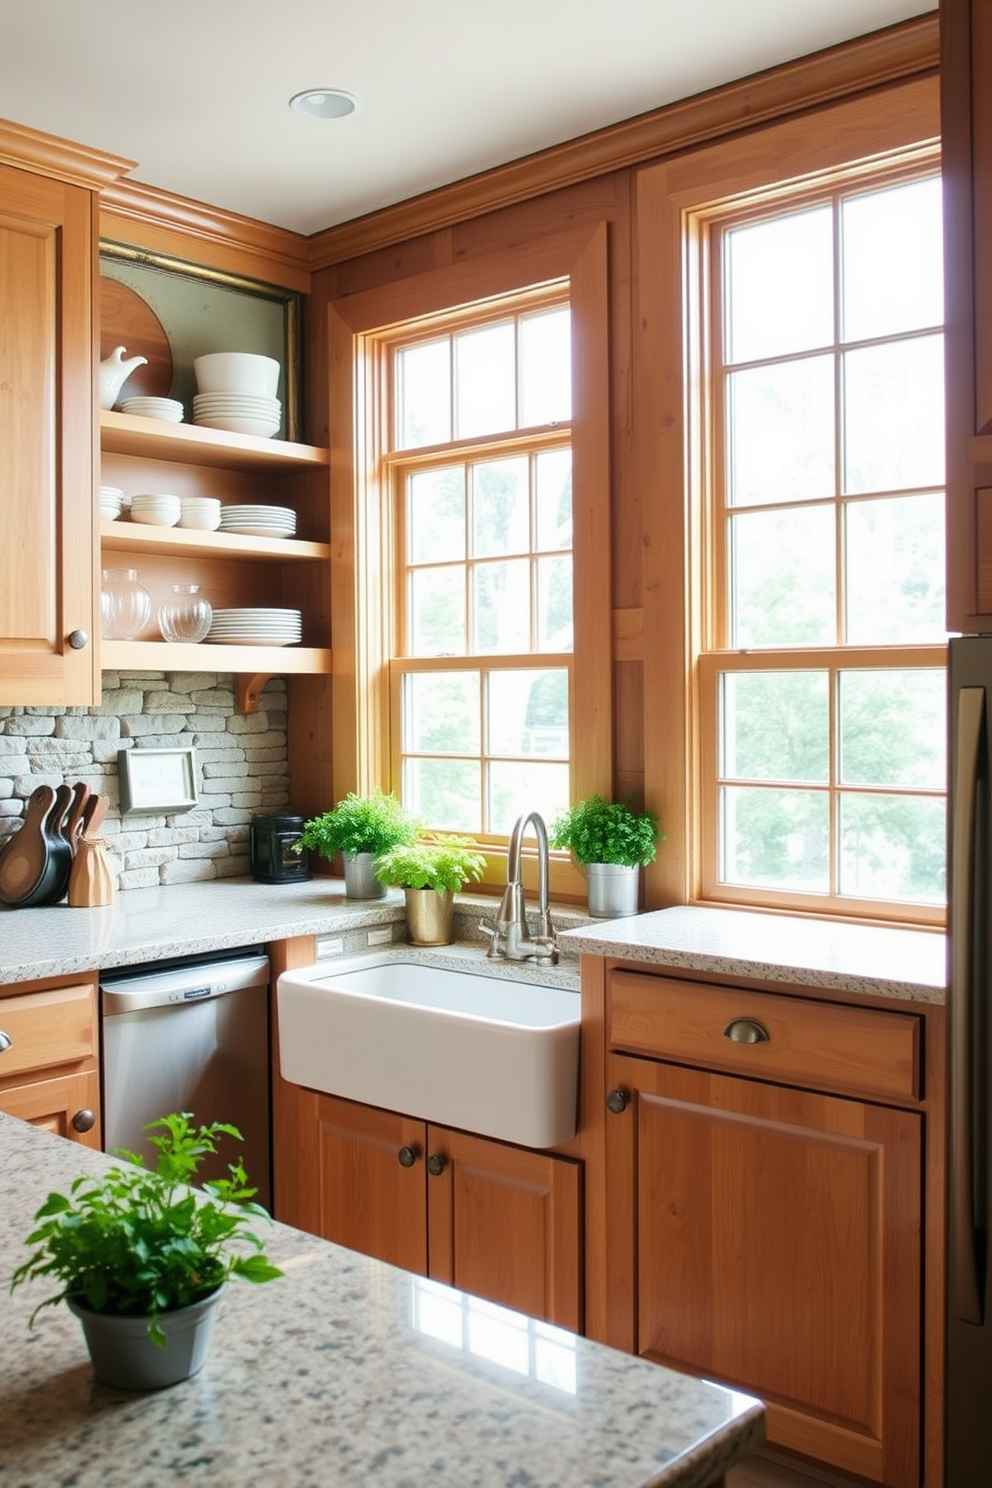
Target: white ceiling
196,91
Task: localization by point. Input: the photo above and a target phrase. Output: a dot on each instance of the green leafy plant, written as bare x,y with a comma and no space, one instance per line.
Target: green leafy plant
433,861
137,1242
601,831
359,824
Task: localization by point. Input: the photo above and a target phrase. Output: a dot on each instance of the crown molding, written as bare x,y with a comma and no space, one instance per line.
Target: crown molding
64,160
162,222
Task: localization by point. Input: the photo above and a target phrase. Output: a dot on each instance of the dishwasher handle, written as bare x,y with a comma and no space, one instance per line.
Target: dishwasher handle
178,987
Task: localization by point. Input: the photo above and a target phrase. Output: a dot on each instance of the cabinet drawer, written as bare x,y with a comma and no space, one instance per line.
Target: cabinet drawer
857,1051
48,1028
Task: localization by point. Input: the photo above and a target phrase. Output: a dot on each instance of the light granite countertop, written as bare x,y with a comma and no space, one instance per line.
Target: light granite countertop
344,1371
185,919
865,960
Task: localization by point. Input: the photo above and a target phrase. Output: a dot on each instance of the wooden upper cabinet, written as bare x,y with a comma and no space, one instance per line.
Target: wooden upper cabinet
966,136
49,648
46,431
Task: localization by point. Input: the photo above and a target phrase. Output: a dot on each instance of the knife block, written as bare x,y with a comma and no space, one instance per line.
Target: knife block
91,882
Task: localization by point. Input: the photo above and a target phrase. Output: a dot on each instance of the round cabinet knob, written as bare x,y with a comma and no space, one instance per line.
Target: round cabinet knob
746,1031
436,1164
83,1121
617,1102
407,1156
5,1040
79,639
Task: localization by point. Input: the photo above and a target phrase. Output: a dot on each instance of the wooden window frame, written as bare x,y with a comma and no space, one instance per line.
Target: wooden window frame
361,330
897,128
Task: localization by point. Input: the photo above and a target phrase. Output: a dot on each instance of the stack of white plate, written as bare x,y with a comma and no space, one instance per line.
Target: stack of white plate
158,408
111,502
259,521
239,413
256,627
156,510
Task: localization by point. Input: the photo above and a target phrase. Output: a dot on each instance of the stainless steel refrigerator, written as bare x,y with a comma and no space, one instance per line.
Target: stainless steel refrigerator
969,1285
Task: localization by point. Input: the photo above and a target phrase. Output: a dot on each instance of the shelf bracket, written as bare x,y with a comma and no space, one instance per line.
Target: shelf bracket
248,689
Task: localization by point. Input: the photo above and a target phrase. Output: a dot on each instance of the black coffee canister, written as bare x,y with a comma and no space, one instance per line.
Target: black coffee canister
274,858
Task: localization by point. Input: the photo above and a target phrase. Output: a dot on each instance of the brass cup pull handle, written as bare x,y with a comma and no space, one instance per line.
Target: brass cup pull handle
617,1102
436,1164
407,1156
5,1041
746,1031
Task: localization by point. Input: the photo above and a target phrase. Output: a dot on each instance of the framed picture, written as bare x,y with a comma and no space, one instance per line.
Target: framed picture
171,311
157,780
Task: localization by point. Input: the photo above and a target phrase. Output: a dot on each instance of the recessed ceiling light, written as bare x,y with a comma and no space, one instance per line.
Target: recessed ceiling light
323,103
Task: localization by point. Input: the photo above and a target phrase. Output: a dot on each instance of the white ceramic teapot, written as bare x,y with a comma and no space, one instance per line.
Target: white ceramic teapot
114,372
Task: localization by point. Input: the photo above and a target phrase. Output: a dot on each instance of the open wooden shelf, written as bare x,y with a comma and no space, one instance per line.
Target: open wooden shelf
138,537
157,439
165,656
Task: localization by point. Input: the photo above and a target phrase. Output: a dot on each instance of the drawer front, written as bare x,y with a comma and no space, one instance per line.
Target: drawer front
48,1028
826,1046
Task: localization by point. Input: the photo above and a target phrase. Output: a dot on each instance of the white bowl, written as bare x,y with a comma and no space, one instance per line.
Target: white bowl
202,512
237,372
261,427
154,518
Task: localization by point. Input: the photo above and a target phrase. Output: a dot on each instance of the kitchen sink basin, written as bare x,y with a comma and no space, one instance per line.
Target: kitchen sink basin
485,1053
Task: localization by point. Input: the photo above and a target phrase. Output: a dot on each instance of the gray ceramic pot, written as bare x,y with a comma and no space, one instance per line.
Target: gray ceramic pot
124,1356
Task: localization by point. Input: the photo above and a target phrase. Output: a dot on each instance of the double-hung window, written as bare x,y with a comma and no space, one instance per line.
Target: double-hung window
479,468
821,669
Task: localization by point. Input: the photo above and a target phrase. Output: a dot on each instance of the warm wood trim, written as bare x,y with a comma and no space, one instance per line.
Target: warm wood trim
673,198
360,510
47,154
294,1162
146,217
869,62
628,635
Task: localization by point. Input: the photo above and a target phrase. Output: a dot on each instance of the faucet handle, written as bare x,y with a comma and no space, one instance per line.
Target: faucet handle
494,935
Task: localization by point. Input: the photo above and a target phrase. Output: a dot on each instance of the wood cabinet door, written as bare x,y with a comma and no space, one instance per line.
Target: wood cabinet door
47,552
773,1241
54,1105
368,1200
505,1224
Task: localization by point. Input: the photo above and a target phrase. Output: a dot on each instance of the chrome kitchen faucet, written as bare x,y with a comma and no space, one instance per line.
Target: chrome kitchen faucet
510,939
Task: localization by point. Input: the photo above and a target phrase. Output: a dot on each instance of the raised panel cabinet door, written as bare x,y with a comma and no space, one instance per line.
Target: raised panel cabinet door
504,1224
370,1172
66,1106
47,433
776,1239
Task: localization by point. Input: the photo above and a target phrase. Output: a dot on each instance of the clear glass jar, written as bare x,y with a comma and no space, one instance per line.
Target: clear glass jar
186,615
125,605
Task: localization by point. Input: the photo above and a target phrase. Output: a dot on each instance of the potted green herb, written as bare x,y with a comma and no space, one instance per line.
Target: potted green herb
141,1259
360,828
431,870
612,842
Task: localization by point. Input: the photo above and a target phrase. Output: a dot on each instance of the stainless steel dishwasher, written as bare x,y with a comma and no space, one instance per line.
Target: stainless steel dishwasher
190,1036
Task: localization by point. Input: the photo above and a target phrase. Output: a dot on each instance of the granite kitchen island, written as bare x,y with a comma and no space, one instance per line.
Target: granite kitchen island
344,1371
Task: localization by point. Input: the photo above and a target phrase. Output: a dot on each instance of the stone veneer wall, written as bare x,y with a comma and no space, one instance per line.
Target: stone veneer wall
242,768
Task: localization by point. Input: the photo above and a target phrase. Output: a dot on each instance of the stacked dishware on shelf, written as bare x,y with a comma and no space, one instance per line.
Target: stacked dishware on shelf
237,392
169,409
258,521
156,509
202,512
110,502
257,626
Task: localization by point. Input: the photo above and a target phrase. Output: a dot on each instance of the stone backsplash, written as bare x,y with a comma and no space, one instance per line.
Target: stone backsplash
242,768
